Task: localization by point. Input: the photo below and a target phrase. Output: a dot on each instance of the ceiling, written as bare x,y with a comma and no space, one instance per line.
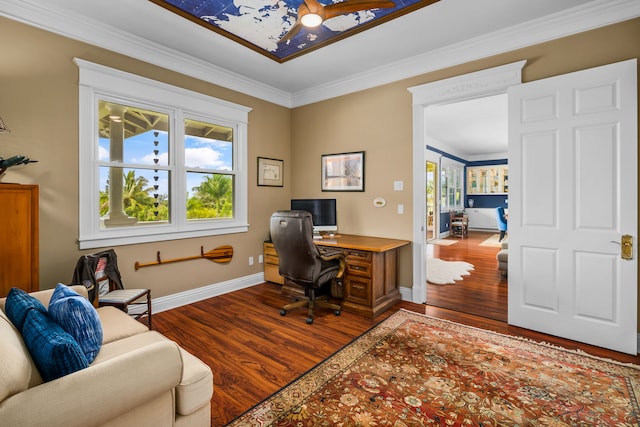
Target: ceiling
472,130
274,28
443,34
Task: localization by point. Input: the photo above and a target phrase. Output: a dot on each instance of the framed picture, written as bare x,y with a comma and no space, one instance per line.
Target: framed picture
270,172
343,172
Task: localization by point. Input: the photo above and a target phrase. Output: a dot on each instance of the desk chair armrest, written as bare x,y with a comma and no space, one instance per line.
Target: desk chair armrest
335,254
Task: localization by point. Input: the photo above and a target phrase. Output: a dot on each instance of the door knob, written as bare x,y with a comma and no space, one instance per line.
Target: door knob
626,246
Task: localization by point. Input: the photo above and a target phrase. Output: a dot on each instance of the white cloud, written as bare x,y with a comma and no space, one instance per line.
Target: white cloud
103,154
205,157
163,159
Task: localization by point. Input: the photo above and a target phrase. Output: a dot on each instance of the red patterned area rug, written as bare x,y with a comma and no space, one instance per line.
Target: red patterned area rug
414,370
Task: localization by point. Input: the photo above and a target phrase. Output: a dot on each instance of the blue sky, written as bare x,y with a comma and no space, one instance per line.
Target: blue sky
200,153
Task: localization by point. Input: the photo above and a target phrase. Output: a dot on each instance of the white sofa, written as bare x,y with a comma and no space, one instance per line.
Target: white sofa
139,378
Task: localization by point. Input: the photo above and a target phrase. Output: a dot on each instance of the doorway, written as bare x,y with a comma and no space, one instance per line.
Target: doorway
474,85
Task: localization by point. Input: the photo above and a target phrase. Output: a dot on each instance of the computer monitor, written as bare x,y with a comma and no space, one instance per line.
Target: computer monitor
323,213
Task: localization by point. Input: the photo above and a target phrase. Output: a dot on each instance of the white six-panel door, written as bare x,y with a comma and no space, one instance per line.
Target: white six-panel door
573,181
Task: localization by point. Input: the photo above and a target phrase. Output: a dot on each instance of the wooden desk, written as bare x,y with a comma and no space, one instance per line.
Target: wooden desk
370,280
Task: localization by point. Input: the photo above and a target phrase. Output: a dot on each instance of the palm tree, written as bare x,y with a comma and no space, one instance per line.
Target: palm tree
135,196
216,191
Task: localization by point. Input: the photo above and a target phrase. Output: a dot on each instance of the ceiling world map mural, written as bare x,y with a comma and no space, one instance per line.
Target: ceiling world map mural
273,27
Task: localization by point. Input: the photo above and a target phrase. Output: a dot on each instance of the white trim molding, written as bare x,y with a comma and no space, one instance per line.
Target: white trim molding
591,15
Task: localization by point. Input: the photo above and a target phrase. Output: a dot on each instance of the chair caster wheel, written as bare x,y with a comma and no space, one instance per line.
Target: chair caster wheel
309,320
337,312
283,312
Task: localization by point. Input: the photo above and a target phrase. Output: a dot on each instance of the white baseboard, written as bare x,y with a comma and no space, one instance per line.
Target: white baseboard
406,293
168,302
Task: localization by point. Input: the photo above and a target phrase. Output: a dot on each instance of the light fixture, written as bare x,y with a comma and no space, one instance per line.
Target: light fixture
311,20
3,127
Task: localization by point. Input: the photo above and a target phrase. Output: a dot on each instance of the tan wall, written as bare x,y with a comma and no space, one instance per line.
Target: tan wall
379,122
39,103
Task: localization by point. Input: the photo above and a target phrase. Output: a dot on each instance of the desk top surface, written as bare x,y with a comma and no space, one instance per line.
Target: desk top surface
363,243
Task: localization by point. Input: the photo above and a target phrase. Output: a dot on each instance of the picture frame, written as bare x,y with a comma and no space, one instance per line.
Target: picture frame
343,171
270,172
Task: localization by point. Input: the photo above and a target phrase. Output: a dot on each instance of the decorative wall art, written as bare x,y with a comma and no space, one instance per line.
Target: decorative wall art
274,28
270,172
343,172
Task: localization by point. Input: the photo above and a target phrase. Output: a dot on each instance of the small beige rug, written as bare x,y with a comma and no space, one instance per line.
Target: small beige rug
492,241
442,272
442,242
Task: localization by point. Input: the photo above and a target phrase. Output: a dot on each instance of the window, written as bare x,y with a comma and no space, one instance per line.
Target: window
451,185
157,162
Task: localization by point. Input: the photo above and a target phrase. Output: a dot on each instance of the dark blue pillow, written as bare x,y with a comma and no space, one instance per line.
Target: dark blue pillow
18,305
54,351
78,317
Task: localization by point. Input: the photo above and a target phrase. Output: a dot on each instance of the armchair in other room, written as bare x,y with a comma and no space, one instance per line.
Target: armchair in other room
501,217
301,262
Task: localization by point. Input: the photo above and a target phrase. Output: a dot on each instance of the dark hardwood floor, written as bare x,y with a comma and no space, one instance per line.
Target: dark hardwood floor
253,351
484,291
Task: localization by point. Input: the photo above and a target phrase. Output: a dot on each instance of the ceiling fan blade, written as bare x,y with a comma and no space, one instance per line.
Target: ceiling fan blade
350,6
313,6
292,32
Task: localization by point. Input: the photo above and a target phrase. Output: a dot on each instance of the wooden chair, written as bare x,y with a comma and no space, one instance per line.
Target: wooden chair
100,274
125,298
459,225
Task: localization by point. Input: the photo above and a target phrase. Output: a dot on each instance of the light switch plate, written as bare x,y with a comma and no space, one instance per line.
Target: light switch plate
398,185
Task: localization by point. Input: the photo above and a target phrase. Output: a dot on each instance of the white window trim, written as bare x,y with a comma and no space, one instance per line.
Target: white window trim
97,79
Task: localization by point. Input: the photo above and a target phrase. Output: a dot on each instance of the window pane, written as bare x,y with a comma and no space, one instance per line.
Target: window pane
132,135
209,195
145,197
208,146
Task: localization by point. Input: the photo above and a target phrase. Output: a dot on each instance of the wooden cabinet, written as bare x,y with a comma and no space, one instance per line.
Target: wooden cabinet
482,219
271,263
370,284
488,179
19,250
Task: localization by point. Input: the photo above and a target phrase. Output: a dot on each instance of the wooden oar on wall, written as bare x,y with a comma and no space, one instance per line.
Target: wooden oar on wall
221,255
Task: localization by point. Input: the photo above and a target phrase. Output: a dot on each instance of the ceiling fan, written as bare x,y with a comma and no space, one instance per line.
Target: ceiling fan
311,13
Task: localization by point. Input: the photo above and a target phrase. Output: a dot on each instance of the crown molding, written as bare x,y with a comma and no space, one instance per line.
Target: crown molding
582,18
572,21
104,36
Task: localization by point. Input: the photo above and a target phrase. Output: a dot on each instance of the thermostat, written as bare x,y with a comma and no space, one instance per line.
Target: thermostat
379,202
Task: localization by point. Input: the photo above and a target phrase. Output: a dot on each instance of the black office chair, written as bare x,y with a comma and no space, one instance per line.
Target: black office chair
301,262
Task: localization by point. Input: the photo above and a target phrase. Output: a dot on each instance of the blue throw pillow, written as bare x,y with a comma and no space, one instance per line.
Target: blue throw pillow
54,351
78,317
18,305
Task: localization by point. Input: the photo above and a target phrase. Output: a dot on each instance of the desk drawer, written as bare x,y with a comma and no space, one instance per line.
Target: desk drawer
358,290
358,268
269,249
271,259
355,255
